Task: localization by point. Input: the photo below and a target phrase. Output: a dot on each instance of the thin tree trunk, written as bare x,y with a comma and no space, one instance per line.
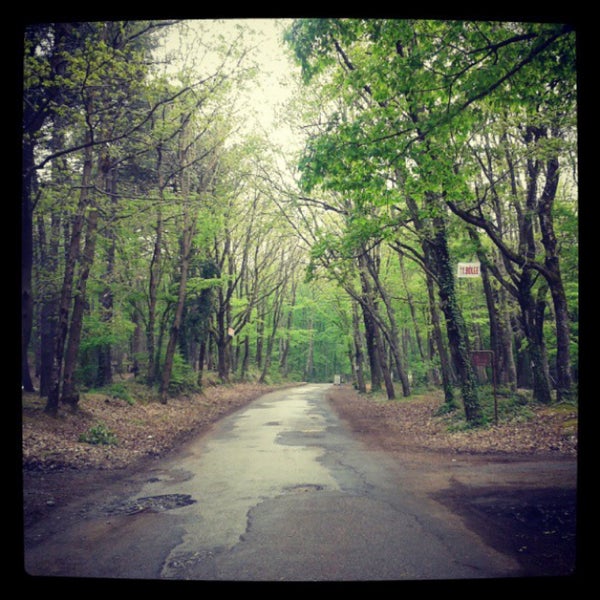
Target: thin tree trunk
27,262
309,367
71,258
391,336
440,347
358,351
69,393
379,365
276,312
283,361
104,374
154,279
411,306
175,327
49,300
201,360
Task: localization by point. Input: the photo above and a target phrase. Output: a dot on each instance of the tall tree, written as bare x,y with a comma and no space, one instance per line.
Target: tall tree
411,91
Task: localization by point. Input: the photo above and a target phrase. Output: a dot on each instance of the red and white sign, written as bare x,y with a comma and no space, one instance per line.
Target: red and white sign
468,269
482,358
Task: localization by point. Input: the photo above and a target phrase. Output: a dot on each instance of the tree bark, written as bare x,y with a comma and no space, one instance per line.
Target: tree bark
71,258
555,283
532,312
440,347
358,351
437,261
69,393
391,335
104,372
275,318
379,365
188,235
49,299
27,261
458,340
155,276
309,366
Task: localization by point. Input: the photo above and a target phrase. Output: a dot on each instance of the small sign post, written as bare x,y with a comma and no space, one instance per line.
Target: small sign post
468,269
485,358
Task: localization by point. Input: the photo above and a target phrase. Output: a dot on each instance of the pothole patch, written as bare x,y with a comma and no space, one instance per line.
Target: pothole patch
312,432
303,488
152,504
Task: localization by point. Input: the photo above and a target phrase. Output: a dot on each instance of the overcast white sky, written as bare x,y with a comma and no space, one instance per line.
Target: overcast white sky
276,70
274,84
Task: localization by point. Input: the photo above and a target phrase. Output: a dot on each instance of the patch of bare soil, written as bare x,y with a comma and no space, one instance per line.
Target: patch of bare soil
514,483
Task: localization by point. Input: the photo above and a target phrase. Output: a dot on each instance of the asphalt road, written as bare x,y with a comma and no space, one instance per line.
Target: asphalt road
278,491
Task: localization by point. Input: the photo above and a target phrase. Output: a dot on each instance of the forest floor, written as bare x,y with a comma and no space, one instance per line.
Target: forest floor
537,523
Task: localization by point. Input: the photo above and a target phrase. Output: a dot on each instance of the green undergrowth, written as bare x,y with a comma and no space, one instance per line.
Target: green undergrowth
506,407
99,434
509,406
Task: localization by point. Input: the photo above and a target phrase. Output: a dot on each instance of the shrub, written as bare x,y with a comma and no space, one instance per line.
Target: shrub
99,435
121,391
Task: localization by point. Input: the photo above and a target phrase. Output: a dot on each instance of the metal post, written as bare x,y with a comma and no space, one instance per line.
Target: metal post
481,358
494,387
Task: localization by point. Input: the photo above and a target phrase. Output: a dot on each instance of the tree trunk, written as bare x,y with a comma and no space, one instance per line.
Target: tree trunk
69,392
269,349
188,235
260,330
154,280
411,306
508,369
71,258
533,324
552,264
104,373
379,365
391,335
440,347
223,338
358,351
27,262
283,361
245,358
500,337
437,260
455,325
372,353
49,300
309,367
136,344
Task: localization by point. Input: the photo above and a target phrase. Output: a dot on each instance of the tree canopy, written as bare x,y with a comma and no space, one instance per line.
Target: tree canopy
166,238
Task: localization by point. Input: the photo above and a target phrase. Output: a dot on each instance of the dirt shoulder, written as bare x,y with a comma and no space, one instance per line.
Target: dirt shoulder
413,423
515,484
